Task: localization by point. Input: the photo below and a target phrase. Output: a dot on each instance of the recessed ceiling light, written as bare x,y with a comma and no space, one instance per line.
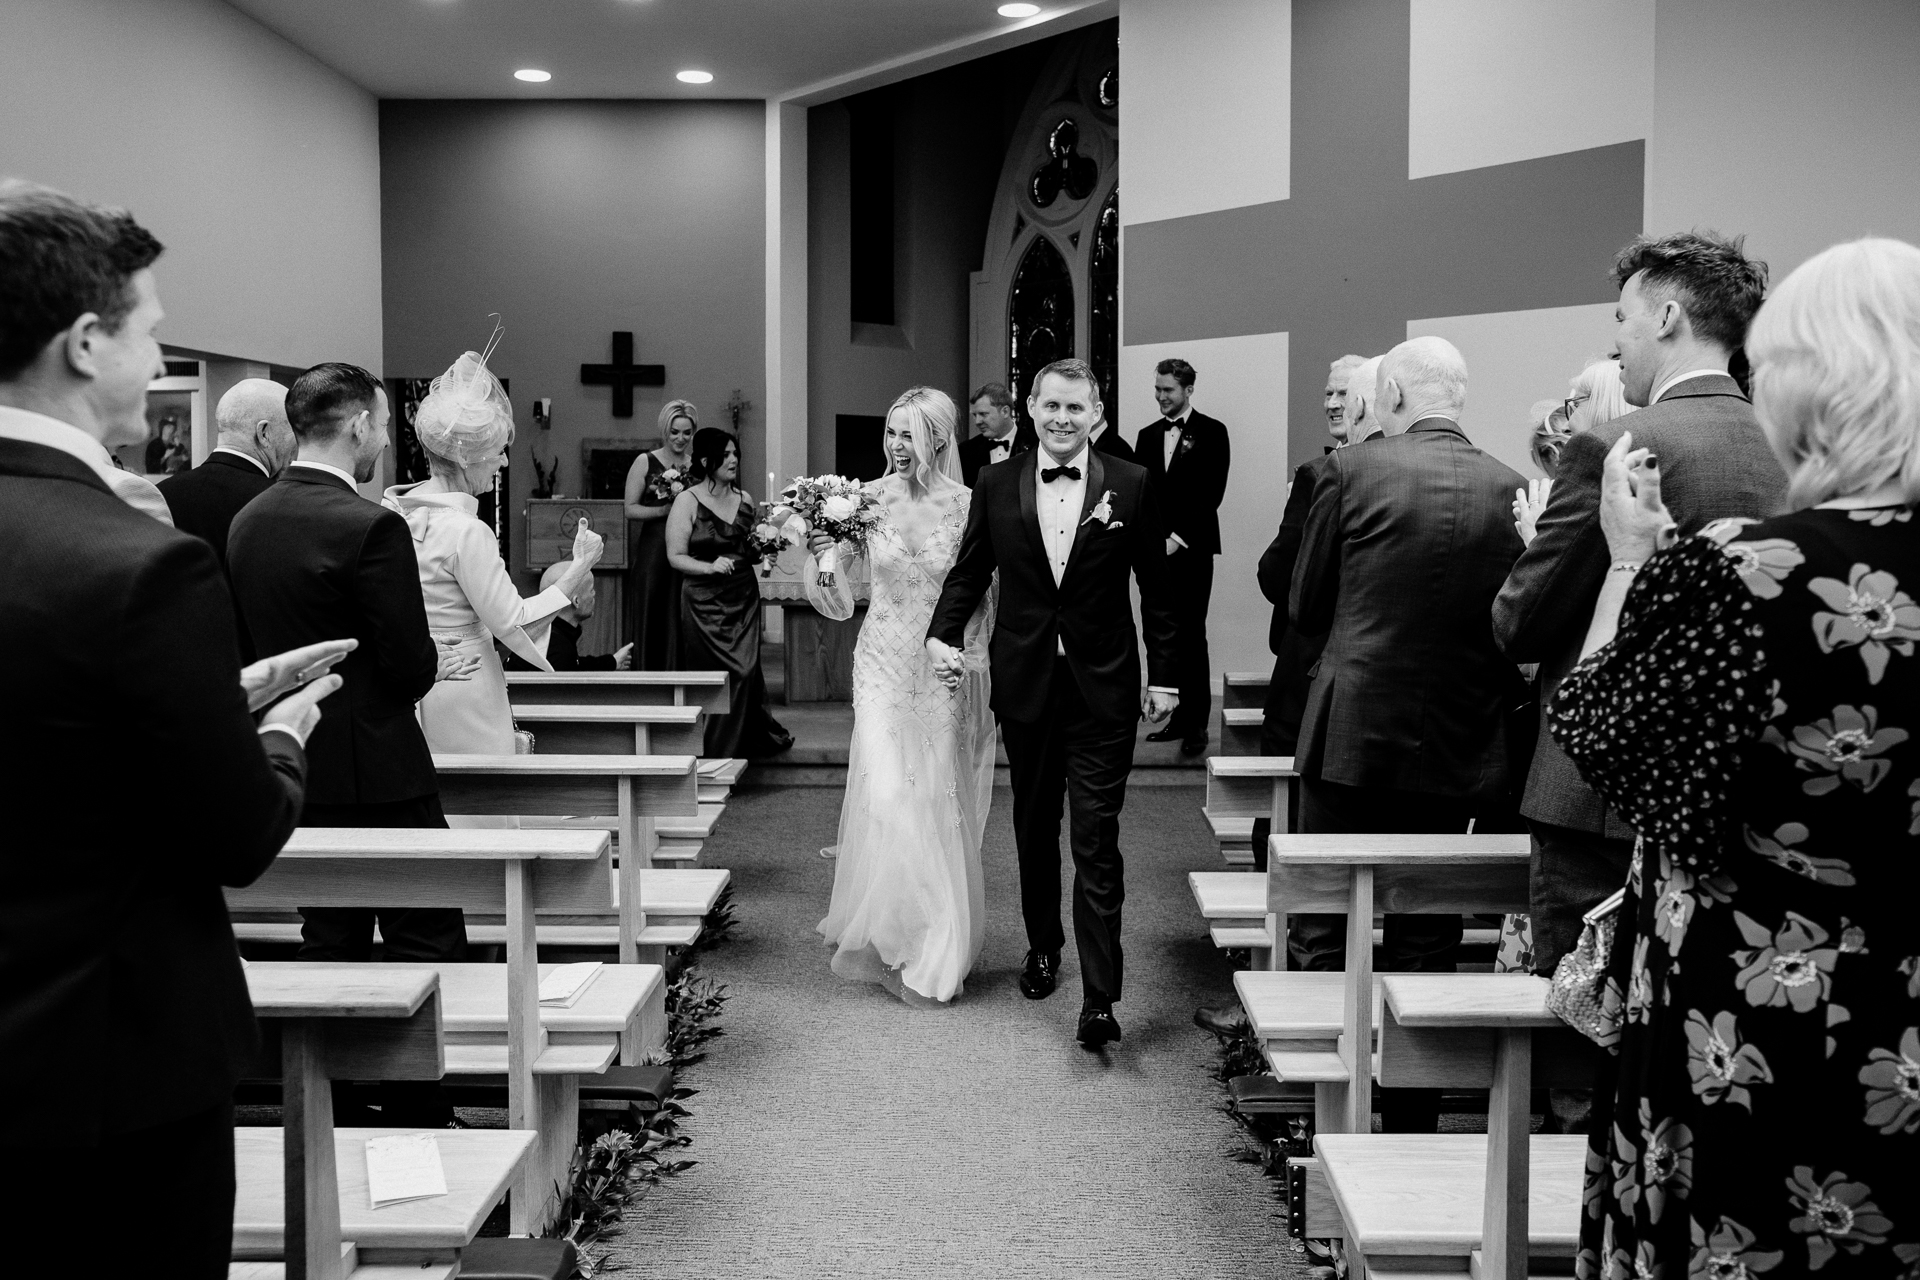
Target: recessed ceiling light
1018,10
533,75
694,77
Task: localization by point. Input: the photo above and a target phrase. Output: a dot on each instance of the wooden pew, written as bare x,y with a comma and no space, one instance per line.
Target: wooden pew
706,690
1244,689
1234,905
1240,730
633,791
292,1201
514,872
1461,1203
1319,1025
1243,788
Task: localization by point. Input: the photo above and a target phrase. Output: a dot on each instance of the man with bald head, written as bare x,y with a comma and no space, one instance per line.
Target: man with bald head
254,443
1407,542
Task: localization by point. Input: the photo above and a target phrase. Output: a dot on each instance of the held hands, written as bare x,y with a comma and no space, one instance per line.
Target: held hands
623,657
271,679
1636,522
455,665
301,712
948,662
1528,503
1157,706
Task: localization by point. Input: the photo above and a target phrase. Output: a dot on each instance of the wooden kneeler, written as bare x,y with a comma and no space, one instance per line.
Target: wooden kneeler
1242,788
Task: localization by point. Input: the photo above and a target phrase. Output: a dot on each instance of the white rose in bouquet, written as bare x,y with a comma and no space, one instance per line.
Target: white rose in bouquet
841,506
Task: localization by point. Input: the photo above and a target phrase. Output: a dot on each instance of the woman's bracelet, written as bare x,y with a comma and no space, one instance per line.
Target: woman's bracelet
1625,566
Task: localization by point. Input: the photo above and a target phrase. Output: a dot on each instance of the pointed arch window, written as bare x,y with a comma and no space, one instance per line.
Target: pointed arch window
1039,316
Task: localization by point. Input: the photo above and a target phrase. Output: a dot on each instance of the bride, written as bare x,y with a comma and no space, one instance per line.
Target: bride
908,902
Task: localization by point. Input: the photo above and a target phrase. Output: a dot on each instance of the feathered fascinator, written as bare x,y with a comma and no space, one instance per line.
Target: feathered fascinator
466,415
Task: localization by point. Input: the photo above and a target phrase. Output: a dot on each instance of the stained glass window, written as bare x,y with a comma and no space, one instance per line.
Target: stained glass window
1065,169
1039,317
1103,283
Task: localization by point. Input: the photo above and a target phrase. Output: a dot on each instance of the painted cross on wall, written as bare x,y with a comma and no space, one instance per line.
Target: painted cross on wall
1359,249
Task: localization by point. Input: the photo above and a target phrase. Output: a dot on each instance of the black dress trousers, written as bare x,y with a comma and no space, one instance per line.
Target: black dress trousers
1070,754
1190,582
345,934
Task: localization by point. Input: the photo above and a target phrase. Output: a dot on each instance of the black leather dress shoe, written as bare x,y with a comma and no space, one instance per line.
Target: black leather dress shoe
1222,1020
1165,735
1193,746
1097,1026
1041,975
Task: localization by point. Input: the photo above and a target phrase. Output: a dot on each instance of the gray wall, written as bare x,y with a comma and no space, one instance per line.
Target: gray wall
574,219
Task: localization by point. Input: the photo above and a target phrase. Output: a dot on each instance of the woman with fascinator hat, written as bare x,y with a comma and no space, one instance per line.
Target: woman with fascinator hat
464,426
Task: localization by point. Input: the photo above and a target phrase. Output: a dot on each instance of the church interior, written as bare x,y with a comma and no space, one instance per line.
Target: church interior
774,220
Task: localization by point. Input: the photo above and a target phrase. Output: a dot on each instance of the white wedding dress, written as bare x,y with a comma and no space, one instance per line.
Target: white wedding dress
908,902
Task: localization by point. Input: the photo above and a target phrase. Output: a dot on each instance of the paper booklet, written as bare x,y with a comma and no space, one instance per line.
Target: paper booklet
563,983
402,1167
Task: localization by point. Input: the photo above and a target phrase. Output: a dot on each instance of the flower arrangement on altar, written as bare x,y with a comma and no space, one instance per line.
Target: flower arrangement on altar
836,506
664,486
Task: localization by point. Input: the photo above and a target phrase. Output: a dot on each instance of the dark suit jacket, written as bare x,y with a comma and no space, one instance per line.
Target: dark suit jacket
1714,462
1113,446
204,502
563,652
312,560
1293,650
1191,490
975,451
1091,609
1407,543
134,786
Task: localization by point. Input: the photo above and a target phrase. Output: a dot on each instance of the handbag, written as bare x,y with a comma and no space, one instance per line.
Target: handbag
1578,993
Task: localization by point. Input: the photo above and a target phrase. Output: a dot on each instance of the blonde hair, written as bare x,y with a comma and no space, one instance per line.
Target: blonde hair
677,409
1836,371
930,421
1602,385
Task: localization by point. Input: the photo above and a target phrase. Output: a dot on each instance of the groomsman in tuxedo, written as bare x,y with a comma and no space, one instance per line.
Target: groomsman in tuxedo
998,433
1186,454
1106,438
255,442
311,559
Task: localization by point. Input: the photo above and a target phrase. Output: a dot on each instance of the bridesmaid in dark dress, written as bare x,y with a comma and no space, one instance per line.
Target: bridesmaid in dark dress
653,587
720,597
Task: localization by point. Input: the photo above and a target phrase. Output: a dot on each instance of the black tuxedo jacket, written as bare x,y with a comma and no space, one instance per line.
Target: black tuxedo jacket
1275,572
204,502
1714,462
1091,610
1113,446
312,560
975,451
563,652
1406,545
134,787
1190,490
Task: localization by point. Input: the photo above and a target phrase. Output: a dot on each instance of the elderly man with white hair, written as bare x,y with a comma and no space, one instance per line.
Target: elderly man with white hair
563,638
1362,423
1406,545
254,443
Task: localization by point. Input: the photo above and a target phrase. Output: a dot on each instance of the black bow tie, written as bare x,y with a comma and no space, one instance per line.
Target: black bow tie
1049,474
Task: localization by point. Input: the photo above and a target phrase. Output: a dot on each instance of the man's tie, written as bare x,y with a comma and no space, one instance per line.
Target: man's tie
1049,474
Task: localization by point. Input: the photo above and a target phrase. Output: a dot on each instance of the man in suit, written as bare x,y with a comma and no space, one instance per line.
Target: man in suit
1186,453
998,433
563,638
1106,438
1685,302
124,1017
1407,542
255,443
1064,525
310,559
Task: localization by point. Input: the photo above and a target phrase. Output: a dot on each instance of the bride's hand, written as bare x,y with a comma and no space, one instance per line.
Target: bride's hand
817,544
948,662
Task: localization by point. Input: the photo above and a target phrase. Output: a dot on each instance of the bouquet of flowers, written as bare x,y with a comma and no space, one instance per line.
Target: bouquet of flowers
771,535
836,506
664,486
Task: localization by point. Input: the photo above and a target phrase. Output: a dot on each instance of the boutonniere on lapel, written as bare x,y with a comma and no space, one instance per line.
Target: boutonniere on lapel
1185,444
1103,512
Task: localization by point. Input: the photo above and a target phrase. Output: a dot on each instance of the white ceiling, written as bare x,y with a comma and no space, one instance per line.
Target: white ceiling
632,48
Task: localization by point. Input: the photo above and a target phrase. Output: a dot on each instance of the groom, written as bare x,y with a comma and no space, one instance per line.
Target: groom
1063,524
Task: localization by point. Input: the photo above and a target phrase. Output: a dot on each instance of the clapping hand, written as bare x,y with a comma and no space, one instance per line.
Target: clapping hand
623,657
455,665
948,662
1634,519
1528,503
299,713
270,679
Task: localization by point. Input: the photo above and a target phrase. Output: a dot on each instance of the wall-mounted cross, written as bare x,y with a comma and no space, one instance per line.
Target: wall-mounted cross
623,375
1359,249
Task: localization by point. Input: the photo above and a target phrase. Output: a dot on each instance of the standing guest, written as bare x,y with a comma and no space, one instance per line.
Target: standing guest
1186,455
1108,441
1362,385
1685,302
720,597
653,586
312,559
1406,545
255,443
1596,395
1749,700
116,657
138,492
464,426
563,639
1336,396
998,433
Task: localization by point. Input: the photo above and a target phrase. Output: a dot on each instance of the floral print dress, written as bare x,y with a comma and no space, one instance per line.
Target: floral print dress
1757,719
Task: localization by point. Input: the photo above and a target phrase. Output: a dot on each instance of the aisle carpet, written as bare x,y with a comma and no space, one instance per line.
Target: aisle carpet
842,1133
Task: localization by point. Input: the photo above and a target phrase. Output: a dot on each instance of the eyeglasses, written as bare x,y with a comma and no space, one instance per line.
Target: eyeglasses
1565,411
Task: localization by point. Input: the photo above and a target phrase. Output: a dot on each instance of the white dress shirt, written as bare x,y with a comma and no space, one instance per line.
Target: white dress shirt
327,467
249,457
1679,378
137,492
1002,447
1172,440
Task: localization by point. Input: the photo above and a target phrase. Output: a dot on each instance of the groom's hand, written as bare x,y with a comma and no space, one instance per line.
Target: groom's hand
1160,705
947,661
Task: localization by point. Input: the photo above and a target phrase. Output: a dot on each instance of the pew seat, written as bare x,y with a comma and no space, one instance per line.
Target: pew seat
1234,834
1240,729
1244,688
352,1268
718,779
1229,895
